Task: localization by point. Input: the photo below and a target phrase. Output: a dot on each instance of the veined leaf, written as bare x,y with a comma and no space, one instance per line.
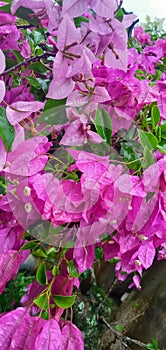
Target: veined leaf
103,125
41,274
42,301
7,132
147,139
64,302
54,116
155,116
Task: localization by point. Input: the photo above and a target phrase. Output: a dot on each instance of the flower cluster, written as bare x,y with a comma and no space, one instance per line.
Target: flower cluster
82,156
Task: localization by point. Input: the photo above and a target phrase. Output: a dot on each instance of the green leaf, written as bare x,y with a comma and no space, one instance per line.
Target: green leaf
64,301
163,131
52,251
29,245
54,116
55,231
147,139
119,328
155,116
103,125
34,82
38,37
38,67
18,56
41,274
55,271
149,159
113,260
6,8
73,272
43,84
154,342
150,346
79,20
158,133
130,156
162,147
120,15
54,103
17,81
139,74
40,253
45,315
42,301
25,14
7,132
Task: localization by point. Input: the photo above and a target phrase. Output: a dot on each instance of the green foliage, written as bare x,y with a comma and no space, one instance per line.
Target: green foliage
6,7
29,245
103,125
153,345
2,185
42,301
14,291
64,302
79,20
87,312
25,13
54,116
38,67
147,139
72,270
155,116
41,274
154,27
7,132
119,327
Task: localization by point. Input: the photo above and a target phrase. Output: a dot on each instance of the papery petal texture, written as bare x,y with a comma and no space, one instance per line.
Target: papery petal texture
9,265
50,337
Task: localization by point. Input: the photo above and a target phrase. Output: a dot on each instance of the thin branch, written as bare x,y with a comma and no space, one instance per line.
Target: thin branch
25,26
28,60
108,293
119,6
123,338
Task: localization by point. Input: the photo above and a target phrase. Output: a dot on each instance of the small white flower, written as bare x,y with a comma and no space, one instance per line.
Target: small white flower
138,262
16,182
143,238
113,222
14,191
28,207
27,191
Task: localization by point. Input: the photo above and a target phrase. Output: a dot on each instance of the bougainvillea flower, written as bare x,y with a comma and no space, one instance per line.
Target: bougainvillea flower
141,36
76,8
21,110
73,57
2,68
72,338
29,157
3,154
50,337
2,62
9,265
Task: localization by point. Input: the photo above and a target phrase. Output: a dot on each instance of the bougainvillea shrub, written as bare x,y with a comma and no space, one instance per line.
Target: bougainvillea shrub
82,156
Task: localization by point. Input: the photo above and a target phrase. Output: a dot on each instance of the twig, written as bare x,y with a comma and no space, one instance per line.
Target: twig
30,59
107,295
118,335
25,26
119,6
124,339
